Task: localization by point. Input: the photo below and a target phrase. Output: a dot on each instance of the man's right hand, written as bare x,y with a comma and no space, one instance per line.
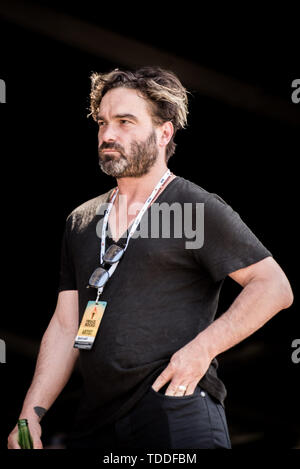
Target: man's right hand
55,363
35,431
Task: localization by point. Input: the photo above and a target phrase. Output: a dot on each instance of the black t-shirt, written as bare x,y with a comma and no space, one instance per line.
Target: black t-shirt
158,299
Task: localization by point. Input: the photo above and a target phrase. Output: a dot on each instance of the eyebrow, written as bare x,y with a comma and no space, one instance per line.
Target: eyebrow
119,116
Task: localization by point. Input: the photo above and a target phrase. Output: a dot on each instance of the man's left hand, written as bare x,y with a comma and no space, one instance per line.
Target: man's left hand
187,366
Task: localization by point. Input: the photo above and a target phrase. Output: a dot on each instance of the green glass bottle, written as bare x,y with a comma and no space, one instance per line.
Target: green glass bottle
24,437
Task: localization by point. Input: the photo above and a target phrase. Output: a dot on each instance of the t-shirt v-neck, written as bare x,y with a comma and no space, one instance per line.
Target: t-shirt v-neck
124,236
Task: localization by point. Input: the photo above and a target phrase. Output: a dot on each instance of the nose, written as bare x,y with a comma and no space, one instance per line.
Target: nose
107,133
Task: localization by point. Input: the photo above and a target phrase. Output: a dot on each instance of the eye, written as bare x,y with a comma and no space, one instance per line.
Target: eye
100,123
124,121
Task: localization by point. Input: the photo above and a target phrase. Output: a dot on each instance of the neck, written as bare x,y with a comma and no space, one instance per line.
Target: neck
138,188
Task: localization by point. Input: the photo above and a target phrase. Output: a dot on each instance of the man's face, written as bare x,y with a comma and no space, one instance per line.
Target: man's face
127,142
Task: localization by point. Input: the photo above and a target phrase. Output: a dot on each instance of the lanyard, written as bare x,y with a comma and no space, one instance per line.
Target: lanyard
134,225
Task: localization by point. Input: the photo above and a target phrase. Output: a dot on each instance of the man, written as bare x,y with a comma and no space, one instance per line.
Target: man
149,371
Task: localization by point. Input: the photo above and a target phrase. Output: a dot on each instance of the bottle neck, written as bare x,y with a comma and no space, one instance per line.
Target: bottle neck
22,423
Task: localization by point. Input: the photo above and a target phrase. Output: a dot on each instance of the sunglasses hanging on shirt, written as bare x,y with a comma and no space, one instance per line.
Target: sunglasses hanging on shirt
100,276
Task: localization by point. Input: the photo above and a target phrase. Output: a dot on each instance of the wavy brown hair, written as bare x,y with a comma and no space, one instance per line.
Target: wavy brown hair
161,88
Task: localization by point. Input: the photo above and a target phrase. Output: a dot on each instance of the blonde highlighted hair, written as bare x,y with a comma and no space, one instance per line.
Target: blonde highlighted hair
161,88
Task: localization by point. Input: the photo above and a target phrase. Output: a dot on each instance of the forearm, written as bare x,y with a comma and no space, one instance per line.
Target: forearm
258,302
54,366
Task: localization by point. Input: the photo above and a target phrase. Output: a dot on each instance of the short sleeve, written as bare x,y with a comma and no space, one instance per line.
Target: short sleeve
67,278
229,244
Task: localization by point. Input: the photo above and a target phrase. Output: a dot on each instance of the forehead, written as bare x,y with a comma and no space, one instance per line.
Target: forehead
123,100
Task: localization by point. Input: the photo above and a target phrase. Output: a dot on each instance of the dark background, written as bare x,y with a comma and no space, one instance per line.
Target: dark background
242,145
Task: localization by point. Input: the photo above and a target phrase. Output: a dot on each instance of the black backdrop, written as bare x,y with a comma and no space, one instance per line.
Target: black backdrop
49,166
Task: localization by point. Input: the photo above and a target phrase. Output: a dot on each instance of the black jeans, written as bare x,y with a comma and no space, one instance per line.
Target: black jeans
167,422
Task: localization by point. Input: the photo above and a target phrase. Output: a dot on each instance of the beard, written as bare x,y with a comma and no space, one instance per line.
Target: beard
136,163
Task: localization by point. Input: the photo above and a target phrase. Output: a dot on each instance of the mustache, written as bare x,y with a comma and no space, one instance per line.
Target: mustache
110,146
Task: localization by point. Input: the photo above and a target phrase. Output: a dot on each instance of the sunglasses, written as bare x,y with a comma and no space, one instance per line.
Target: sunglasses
100,276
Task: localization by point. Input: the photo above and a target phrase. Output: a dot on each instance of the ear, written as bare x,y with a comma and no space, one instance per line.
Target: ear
165,132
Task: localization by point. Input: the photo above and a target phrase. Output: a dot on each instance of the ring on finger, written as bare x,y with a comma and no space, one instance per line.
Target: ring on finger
182,388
